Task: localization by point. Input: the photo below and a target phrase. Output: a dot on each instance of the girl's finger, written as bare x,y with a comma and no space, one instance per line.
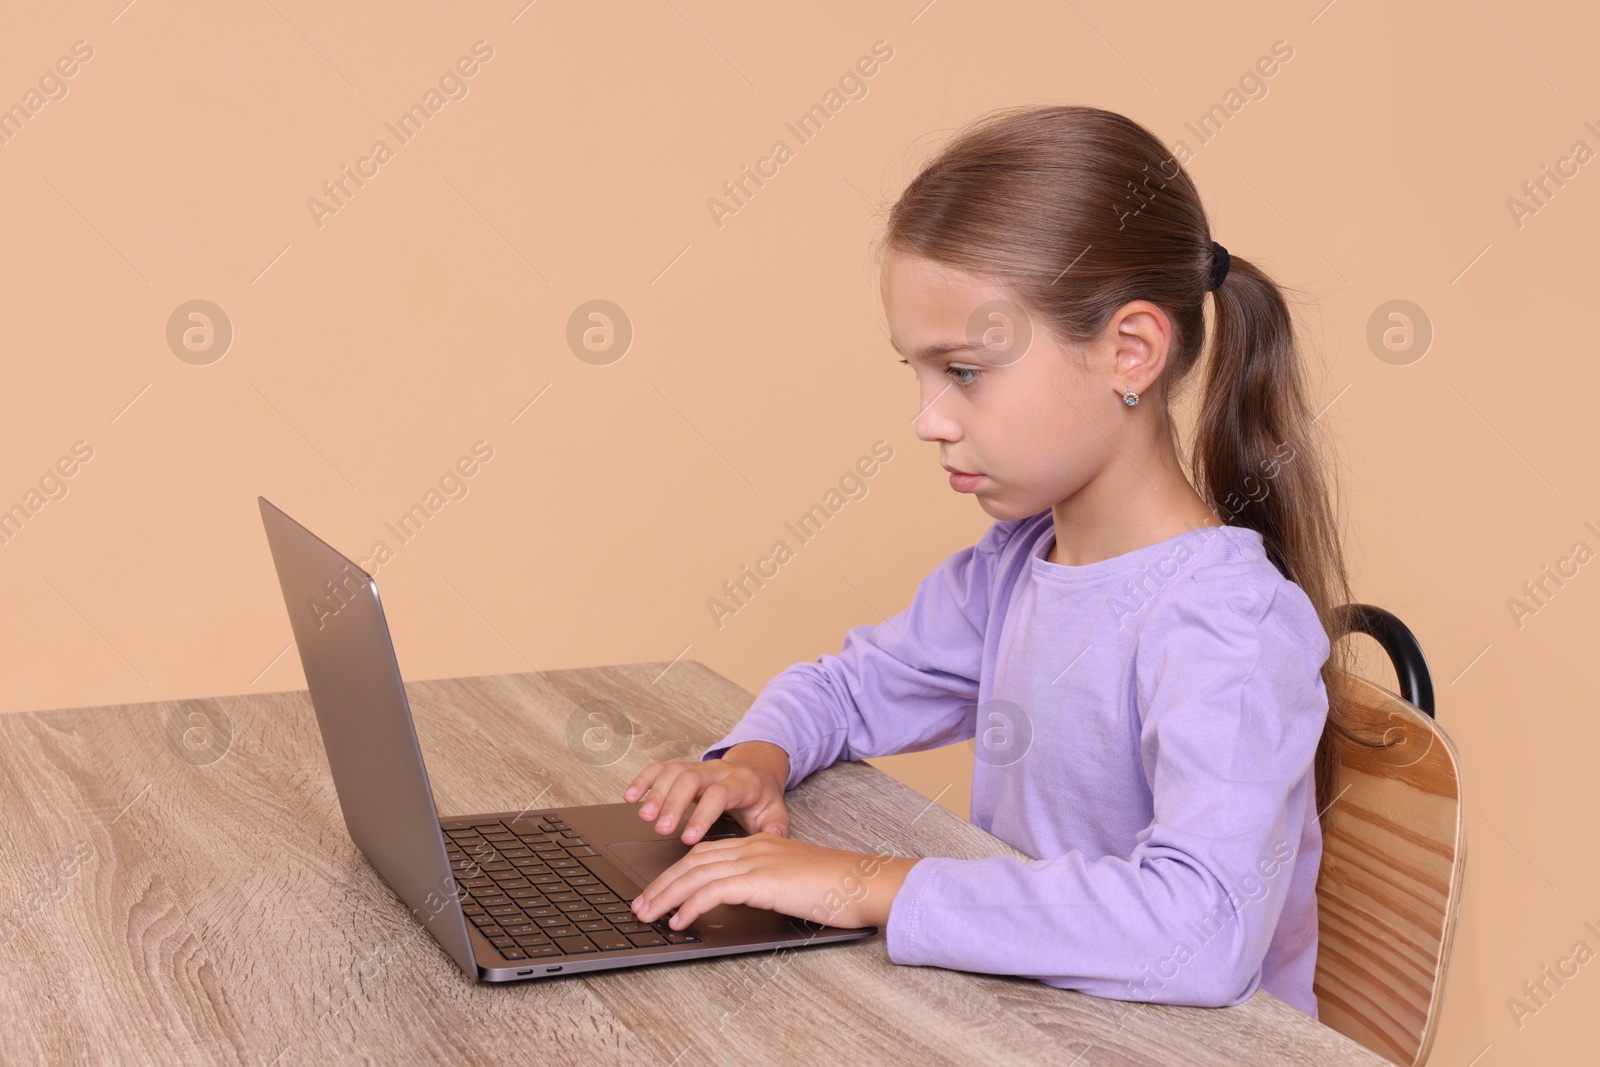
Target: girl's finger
731,889
712,804
677,883
679,796
670,772
641,782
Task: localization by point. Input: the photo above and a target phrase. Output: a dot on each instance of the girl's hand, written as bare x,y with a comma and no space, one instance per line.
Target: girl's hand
808,881
747,782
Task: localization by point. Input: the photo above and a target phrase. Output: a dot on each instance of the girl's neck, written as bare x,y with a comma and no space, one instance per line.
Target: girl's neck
1126,508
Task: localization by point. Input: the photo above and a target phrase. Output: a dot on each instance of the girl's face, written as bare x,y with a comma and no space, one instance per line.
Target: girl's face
1003,400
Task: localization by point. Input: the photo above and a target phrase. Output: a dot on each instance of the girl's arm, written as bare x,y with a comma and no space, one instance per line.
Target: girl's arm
903,685
1232,707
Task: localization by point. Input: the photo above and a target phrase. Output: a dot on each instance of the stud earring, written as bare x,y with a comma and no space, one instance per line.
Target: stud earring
1130,398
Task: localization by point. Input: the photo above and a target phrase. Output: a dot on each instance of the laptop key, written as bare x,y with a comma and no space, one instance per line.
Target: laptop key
680,937
582,916
513,954
521,928
634,928
646,940
558,932
573,946
615,907
536,952
501,942
609,942
588,926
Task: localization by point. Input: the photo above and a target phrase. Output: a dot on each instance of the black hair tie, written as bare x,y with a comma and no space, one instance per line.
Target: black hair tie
1219,265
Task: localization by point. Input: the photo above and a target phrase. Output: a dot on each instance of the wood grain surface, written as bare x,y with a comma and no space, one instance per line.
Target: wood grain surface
180,888
1393,862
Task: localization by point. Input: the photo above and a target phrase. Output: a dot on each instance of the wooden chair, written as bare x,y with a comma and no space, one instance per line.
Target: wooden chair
1389,890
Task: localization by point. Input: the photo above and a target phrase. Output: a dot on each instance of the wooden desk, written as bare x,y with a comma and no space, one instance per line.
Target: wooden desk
180,888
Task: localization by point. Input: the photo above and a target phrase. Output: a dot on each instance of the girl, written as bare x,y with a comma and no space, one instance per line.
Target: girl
1145,664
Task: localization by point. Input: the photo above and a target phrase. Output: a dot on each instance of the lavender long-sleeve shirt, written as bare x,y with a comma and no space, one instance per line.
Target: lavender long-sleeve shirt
1145,728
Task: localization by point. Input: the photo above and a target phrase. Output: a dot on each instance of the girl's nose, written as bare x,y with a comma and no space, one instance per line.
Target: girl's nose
933,423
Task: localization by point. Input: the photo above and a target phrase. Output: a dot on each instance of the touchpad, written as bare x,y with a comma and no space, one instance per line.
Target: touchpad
647,859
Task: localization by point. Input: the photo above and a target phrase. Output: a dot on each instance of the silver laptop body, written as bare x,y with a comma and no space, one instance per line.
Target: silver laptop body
545,867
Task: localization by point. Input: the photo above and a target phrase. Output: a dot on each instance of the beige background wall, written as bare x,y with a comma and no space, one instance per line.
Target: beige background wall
374,345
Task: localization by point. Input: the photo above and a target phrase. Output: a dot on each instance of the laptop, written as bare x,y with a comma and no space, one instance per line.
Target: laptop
509,895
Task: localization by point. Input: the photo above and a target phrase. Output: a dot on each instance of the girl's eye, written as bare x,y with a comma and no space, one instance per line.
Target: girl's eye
956,373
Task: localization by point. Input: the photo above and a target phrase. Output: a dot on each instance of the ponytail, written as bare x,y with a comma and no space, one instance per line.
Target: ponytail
1259,462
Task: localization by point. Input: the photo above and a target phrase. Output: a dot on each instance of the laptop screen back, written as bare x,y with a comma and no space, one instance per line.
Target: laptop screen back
366,726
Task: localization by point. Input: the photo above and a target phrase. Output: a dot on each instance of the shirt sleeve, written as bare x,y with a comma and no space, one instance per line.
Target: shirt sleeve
905,684
1232,706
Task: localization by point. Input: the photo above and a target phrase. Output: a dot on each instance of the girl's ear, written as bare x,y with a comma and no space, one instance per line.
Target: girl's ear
1142,335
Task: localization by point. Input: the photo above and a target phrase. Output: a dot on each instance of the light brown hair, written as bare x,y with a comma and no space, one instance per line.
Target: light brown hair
1076,211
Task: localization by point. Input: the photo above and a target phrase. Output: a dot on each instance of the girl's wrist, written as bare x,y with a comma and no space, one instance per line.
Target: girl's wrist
883,886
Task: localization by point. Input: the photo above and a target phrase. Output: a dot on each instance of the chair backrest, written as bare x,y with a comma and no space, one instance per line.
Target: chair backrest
1389,890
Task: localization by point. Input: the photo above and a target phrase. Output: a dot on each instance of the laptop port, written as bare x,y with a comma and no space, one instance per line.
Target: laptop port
551,970
528,971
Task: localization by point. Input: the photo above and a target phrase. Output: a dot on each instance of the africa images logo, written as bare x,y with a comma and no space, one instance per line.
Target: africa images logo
452,85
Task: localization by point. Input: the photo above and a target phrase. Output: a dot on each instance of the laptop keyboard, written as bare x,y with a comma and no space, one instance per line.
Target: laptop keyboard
525,887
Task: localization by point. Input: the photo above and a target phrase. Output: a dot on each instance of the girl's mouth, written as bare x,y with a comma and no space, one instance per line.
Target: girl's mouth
964,483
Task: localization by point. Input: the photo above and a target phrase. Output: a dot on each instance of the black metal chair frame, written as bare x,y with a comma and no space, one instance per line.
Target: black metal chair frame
1405,652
